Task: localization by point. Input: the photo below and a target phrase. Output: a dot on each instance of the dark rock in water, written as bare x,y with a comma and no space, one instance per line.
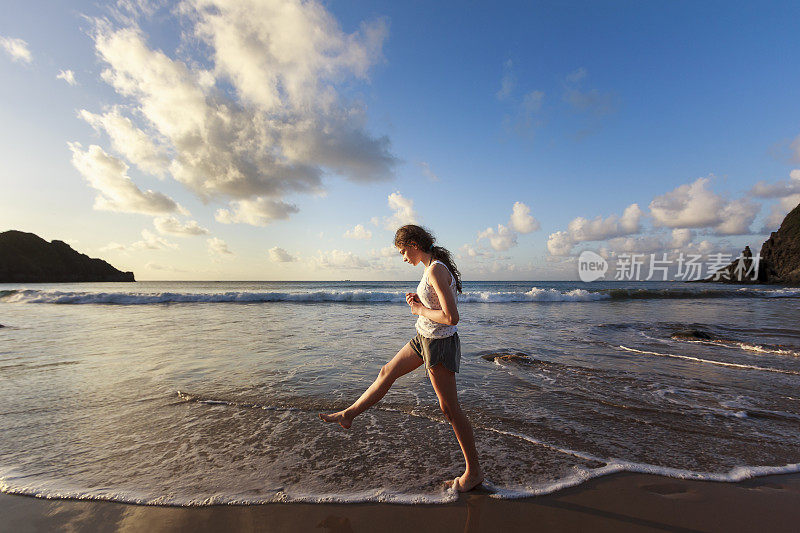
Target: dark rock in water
692,334
27,258
519,356
779,261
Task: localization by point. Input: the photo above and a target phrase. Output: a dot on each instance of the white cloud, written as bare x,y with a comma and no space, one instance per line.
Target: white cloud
582,229
681,237
173,226
779,211
217,246
137,146
427,172
644,244
279,255
560,243
256,212
17,49
338,259
117,192
386,251
500,239
521,219
505,237
404,213
68,76
151,241
779,189
358,232
281,126
694,206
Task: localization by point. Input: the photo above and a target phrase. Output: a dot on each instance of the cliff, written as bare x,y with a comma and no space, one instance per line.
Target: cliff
779,261
27,258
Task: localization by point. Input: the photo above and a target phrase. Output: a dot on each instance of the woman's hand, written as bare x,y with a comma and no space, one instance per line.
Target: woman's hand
417,307
412,297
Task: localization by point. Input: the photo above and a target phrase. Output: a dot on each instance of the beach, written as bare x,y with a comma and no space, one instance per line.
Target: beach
622,502
612,405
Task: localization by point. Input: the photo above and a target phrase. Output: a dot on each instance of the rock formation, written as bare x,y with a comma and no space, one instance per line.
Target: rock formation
27,258
779,261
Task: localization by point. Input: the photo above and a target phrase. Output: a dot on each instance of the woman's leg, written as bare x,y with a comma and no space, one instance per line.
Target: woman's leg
444,383
402,363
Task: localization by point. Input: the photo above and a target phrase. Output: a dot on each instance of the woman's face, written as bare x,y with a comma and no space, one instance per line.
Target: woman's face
411,254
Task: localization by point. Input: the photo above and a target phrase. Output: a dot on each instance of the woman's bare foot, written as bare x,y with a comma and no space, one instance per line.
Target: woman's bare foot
342,417
466,482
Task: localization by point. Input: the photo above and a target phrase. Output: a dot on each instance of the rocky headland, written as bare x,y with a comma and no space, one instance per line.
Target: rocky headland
27,258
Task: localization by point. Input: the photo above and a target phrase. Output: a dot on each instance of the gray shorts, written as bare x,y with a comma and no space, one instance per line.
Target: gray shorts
433,351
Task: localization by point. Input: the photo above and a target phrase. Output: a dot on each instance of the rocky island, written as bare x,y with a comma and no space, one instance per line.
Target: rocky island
27,258
779,261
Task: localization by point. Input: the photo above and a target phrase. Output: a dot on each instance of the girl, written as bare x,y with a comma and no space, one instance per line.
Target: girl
436,345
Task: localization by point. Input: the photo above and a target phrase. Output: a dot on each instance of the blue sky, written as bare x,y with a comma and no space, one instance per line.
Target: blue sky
264,152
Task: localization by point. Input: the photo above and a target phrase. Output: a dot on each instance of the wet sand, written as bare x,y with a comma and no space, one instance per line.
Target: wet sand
621,502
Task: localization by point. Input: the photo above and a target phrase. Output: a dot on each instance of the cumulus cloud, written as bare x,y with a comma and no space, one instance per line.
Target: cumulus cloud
338,259
257,212
17,49
581,229
117,192
779,189
788,194
133,143
500,239
404,212
265,119
560,243
217,246
358,232
681,237
779,211
694,206
68,76
279,255
173,226
505,237
521,219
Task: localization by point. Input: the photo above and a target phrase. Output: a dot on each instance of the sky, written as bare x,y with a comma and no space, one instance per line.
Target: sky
287,140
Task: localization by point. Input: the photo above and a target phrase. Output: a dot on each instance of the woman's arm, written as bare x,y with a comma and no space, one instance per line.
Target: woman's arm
440,281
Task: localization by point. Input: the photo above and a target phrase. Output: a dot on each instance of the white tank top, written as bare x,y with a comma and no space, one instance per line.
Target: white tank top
427,295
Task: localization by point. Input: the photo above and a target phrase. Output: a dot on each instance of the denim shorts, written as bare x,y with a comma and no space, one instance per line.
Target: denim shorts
434,351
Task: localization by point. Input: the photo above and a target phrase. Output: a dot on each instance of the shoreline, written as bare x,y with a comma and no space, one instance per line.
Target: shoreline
618,502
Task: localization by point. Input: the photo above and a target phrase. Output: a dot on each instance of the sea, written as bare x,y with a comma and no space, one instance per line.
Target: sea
206,393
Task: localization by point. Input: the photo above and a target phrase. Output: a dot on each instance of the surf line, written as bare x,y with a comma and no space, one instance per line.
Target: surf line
708,361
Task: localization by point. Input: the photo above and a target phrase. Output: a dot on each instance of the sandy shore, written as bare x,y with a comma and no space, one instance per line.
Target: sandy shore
622,502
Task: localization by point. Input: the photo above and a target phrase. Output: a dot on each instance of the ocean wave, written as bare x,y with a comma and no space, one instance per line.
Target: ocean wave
711,362
536,294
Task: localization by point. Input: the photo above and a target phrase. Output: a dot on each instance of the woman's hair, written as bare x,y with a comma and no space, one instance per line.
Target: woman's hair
423,239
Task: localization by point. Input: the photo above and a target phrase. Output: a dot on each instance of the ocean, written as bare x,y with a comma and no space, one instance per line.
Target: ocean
199,393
